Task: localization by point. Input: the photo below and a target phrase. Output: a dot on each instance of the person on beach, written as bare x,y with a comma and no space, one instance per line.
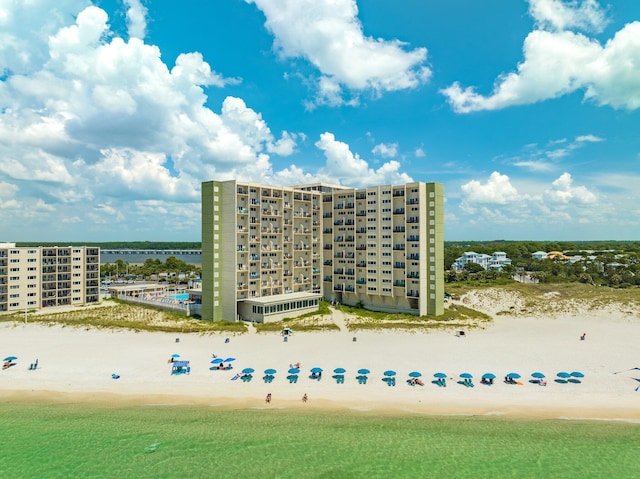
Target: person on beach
583,337
305,397
268,399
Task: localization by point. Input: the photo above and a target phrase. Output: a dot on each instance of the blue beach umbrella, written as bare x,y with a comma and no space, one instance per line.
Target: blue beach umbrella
270,371
537,375
363,371
577,374
316,370
339,370
563,375
175,355
389,373
440,375
415,374
228,360
10,358
488,376
248,370
466,376
514,376
293,371
217,361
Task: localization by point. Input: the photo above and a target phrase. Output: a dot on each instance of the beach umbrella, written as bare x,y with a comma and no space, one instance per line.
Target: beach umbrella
175,355
248,370
294,371
440,375
415,374
10,358
217,361
389,373
488,376
564,375
577,374
537,375
466,376
270,371
228,360
316,370
514,376
339,370
363,371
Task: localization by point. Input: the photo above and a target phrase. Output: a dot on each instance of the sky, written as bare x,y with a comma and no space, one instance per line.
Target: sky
113,112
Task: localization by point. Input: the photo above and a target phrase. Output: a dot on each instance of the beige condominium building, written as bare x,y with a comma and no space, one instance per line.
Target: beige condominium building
37,277
274,252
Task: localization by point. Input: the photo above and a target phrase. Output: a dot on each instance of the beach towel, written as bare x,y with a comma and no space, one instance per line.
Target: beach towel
235,377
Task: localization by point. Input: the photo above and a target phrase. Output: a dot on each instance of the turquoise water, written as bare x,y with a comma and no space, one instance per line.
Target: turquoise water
181,297
83,440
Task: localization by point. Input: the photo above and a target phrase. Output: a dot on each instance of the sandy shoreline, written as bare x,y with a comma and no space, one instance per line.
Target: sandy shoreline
75,365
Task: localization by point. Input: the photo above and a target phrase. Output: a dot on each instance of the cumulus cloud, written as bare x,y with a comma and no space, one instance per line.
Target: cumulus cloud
344,167
386,150
563,191
329,35
562,15
498,189
136,19
497,201
558,61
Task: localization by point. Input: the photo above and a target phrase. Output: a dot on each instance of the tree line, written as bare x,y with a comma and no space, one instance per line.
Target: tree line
611,263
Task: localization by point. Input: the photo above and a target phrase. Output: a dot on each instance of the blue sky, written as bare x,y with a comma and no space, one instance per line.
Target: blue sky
112,112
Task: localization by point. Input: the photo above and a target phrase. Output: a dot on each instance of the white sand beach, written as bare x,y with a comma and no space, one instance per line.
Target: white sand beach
77,365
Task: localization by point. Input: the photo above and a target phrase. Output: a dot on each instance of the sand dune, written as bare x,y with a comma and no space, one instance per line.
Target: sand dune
77,365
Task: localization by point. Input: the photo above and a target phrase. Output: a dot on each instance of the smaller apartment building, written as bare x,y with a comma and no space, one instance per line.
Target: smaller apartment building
38,277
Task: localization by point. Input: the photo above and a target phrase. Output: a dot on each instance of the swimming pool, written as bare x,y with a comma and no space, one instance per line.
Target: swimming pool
181,297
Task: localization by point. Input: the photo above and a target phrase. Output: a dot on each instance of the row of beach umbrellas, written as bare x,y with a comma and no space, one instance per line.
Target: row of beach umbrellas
388,373
416,374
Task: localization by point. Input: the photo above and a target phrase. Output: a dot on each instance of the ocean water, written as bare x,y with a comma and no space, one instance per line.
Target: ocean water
87,441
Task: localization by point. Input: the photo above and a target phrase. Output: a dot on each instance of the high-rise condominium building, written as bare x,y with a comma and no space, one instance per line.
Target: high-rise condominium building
275,252
38,277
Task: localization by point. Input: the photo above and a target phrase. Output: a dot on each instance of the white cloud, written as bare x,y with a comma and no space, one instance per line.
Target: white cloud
562,15
419,153
386,150
344,167
535,165
136,19
589,139
7,190
560,62
285,146
498,189
329,35
563,191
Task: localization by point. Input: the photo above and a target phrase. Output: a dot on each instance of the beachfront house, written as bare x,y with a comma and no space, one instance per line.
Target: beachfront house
495,261
274,252
539,255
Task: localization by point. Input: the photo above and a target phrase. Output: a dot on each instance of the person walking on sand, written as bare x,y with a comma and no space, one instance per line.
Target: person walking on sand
268,399
305,397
